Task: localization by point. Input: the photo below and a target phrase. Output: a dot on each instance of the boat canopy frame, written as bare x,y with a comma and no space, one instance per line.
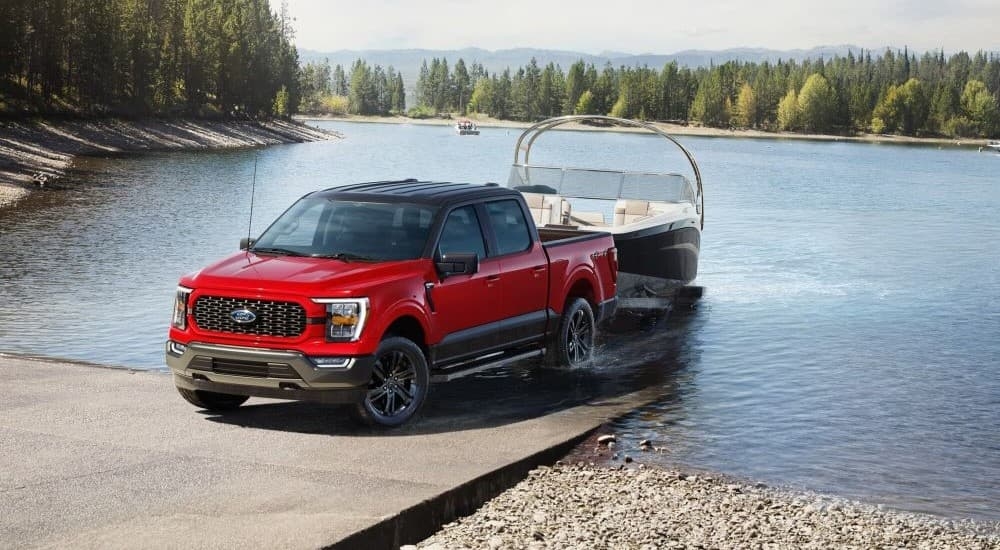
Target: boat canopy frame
528,137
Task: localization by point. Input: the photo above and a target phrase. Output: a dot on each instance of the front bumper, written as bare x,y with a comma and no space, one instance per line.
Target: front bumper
279,374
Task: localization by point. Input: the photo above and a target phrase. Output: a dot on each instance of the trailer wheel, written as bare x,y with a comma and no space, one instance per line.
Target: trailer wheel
211,400
573,344
398,387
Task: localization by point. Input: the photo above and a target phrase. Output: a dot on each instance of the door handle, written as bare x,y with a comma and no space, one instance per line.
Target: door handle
492,279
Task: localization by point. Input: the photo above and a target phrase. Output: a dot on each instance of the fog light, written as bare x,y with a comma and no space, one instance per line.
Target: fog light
176,348
333,362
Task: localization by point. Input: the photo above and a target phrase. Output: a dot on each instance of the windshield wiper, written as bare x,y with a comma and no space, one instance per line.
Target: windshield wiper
346,257
274,250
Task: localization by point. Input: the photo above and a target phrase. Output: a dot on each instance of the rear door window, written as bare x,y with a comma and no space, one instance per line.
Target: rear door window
509,225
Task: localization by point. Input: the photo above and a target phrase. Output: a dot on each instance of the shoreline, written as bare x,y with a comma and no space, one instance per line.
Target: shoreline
586,501
35,151
672,129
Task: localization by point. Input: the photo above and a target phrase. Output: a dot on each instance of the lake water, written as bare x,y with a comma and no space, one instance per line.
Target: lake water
848,341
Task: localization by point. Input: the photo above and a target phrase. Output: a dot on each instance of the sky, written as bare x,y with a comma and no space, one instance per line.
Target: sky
645,26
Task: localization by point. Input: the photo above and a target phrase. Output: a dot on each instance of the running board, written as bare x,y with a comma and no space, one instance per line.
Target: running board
466,369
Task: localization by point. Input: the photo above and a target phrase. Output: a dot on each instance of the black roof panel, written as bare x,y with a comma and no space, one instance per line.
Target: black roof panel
411,190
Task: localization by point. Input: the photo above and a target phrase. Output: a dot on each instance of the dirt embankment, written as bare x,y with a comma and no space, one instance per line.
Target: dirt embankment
33,152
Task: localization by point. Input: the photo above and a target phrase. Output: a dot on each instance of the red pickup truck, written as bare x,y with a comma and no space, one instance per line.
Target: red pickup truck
365,294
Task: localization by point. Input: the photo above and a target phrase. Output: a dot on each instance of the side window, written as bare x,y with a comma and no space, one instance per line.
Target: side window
462,234
509,226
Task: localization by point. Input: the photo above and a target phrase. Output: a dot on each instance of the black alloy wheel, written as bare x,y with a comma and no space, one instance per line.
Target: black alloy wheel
574,342
398,386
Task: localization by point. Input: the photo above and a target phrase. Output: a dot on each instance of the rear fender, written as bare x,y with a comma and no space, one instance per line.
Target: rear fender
581,282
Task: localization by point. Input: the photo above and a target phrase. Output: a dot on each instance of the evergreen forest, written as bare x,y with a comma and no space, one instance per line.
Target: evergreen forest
237,58
896,92
147,57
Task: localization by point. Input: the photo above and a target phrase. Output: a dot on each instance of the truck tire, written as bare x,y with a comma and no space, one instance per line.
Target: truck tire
399,384
212,401
573,343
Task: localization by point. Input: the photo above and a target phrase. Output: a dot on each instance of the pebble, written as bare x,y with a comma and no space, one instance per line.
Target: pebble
587,506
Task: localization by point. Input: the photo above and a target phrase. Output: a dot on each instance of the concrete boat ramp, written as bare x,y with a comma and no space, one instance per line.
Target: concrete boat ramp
111,458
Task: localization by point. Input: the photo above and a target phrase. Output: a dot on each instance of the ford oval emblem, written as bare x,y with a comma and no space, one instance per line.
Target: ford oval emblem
243,316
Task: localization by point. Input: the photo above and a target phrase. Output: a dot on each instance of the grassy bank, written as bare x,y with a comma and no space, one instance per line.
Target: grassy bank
35,151
673,129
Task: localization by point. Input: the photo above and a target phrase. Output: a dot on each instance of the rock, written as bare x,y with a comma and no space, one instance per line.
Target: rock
628,459
646,445
620,507
605,439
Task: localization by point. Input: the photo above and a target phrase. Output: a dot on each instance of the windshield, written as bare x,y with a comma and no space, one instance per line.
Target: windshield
363,231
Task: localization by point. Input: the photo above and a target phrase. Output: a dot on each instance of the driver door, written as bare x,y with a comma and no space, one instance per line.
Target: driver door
467,307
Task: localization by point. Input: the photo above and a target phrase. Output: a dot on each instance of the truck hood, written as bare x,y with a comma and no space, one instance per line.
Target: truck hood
298,275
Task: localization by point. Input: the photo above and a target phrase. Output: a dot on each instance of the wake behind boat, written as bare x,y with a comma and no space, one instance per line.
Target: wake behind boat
656,218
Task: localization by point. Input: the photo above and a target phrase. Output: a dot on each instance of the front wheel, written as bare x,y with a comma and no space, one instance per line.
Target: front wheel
398,386
573,343
211,400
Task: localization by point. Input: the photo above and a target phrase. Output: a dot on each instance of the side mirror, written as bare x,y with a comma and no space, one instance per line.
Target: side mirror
457,264
246,242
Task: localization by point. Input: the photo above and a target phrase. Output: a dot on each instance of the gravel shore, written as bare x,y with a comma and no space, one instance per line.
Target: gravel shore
587,506
34,152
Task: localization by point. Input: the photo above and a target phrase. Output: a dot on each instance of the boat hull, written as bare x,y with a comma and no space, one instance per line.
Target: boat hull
665,252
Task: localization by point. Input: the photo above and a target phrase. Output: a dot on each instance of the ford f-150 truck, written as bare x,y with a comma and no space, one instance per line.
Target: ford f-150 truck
367,293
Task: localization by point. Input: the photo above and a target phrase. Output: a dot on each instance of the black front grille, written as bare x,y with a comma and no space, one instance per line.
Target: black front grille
281,319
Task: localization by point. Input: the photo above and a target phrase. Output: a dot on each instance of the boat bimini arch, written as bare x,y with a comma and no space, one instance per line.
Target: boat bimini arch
656,218
522,153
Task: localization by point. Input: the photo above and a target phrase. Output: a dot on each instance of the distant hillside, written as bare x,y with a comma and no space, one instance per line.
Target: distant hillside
408,61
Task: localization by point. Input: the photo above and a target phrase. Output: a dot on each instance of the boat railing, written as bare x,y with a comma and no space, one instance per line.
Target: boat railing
604,184
601,184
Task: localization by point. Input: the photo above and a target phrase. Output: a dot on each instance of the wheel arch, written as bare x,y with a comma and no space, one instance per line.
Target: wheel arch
408,326
582,284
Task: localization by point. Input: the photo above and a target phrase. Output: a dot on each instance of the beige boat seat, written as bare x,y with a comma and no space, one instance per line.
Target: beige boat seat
593,219
544,210
630,211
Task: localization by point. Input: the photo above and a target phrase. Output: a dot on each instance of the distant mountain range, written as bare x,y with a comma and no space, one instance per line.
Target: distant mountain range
408,61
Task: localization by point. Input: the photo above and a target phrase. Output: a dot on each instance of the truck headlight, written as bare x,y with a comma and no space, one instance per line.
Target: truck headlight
345,318
181,308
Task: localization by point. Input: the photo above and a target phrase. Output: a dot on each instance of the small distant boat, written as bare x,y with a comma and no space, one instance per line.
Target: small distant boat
466,128
656,218
994,145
